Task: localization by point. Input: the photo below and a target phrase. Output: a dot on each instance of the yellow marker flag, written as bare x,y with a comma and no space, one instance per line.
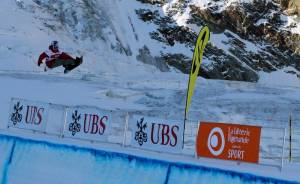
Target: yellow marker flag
201,43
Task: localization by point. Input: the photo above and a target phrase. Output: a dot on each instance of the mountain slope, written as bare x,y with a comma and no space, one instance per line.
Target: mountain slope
249,38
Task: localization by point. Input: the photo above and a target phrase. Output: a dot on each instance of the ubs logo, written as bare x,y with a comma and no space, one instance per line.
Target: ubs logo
89,123
158,133
141,135
33,116
16,116
75,126
216,141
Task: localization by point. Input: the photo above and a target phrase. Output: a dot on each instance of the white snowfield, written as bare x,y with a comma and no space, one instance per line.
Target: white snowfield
113,81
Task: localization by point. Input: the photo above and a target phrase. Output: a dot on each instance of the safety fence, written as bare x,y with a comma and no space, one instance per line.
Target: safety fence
133,129
97,125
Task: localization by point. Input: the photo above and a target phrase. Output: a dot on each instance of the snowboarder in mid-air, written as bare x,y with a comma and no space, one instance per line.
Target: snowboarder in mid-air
54,58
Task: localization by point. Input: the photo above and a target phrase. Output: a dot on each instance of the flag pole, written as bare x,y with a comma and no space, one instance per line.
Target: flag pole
201,43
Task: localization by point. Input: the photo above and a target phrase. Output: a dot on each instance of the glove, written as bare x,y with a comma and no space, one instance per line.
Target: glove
39,63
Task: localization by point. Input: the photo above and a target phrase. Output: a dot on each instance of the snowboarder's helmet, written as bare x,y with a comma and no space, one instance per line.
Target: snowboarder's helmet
54,44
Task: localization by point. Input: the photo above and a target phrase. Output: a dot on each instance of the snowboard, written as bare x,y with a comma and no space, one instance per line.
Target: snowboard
70,67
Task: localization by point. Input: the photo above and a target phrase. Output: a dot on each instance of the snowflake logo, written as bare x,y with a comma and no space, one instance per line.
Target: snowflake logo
16,117
141,136
75,126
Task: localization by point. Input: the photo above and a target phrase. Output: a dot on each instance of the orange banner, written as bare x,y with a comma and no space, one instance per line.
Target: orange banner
228,141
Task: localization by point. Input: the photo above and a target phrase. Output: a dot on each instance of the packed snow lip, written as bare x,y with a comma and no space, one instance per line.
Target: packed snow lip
62,156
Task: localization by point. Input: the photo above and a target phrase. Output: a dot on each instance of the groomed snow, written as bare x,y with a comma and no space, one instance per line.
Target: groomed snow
52,163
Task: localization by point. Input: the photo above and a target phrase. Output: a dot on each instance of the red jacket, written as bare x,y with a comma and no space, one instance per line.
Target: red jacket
49,55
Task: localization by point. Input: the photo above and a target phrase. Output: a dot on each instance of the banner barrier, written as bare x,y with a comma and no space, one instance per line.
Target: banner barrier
87,123
156,134
228,141
213,140
27,114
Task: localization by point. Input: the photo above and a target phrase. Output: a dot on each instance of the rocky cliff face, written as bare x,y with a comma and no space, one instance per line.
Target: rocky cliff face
247,36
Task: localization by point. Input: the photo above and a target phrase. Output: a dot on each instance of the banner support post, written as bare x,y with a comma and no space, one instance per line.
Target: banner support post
65,122
290,140
184,122
196,155
125,129
283,144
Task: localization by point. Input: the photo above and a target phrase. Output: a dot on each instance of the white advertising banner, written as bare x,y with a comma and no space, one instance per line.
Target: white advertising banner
87,123
27,114
156,134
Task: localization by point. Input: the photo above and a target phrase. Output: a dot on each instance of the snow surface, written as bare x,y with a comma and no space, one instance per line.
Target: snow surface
291,23
280,78
96,166
219,101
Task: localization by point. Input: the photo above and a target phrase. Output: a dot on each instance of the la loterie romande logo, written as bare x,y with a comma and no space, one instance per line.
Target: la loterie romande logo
216,141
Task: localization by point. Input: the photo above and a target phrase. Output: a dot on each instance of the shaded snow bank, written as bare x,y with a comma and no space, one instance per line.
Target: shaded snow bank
280,78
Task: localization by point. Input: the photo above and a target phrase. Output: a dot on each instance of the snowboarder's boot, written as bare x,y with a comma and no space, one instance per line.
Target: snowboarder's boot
77,62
